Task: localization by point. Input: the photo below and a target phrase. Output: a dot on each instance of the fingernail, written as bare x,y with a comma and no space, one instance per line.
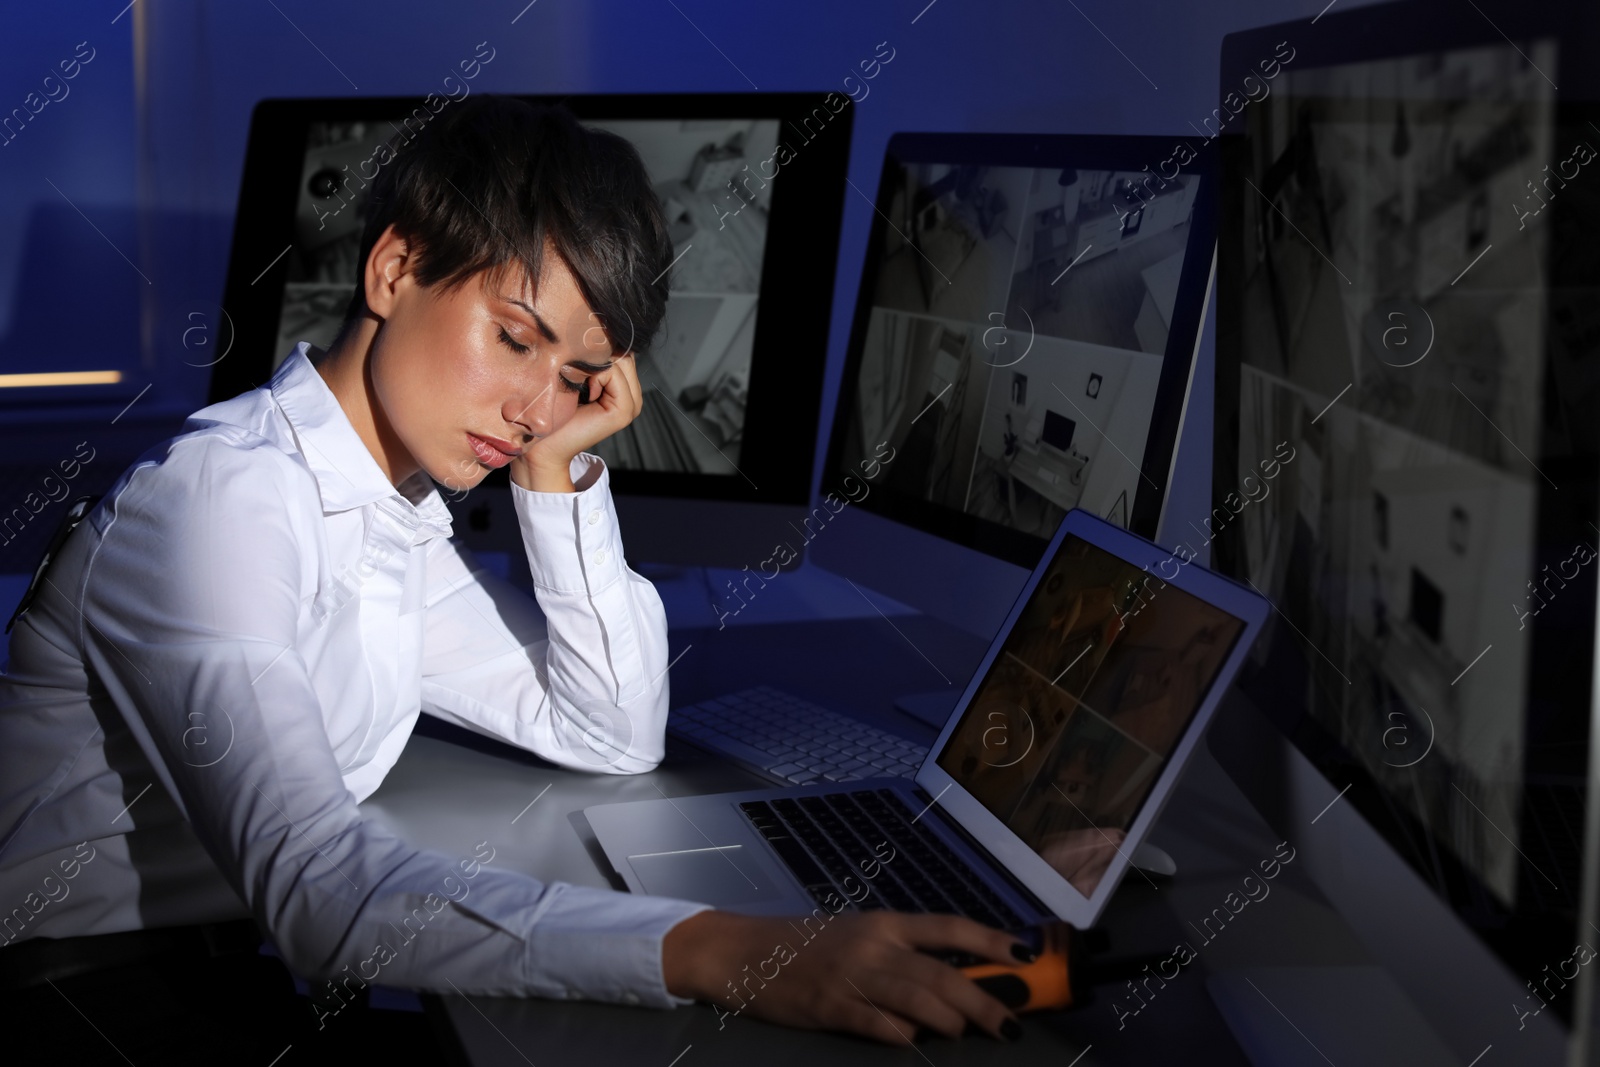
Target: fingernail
1011,1029
1025,953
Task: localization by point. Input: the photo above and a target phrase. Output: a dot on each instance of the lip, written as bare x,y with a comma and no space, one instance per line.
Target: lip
491,451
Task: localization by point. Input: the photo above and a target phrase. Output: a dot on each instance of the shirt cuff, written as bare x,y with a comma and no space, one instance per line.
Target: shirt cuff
601,944
571,539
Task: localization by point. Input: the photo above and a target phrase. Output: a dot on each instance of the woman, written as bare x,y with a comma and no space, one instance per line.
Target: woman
231,650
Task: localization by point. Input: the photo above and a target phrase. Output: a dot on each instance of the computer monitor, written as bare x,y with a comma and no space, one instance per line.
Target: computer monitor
1057,431
752,186
1022,344
1405,464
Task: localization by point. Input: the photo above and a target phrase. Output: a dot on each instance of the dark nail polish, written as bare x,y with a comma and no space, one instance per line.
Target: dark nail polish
1011,1029
1025,953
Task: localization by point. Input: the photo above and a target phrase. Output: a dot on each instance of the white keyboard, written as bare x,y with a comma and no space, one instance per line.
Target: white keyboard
794,741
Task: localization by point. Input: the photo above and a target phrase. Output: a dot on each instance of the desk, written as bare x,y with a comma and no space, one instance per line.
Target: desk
451,793
1057,478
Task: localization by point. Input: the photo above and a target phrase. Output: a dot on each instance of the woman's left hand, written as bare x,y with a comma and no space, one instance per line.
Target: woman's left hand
615,400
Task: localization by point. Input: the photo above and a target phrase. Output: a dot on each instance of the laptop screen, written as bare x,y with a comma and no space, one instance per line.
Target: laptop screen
1068,731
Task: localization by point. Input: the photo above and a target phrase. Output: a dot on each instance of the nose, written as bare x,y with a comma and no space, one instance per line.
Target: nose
532,405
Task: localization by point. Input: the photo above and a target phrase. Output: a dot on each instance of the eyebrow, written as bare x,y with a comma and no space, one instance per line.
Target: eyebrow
544,327
550,335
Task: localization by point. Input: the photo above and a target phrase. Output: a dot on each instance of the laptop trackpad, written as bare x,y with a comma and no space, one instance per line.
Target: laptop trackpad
722,877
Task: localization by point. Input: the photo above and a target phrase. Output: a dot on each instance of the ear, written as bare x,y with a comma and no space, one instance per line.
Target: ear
388,267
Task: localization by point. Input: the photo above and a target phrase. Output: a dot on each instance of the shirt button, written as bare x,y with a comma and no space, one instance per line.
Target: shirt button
599,557
594,517
630,998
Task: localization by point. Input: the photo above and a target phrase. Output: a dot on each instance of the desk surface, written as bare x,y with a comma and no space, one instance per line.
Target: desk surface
1063,492
452,790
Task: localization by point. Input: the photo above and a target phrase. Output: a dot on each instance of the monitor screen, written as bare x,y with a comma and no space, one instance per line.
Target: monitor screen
752,189
699,363
1057,431
1023,334
1068,731
1405,457
701,359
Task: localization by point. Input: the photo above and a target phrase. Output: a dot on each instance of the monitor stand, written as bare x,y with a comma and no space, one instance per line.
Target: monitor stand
934,708
1299,1015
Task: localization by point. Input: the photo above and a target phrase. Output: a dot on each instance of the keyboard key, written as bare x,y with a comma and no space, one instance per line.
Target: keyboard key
786,770
837,829
957,881
763,727
895,893
825,895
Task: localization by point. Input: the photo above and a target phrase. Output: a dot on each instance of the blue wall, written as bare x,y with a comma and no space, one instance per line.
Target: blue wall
145,151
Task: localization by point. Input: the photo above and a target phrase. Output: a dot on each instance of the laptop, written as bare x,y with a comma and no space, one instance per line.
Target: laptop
1049,772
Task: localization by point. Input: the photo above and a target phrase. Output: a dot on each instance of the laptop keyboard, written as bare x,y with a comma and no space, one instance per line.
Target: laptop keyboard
791,740
825,839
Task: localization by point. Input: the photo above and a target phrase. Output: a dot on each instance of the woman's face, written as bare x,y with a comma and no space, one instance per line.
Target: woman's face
489,363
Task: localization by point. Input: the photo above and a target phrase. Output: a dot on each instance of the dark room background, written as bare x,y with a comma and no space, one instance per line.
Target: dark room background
117,199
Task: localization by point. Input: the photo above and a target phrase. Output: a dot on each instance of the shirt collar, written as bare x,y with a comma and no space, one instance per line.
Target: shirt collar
347,475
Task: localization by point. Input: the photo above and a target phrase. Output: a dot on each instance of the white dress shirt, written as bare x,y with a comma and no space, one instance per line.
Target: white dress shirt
230,653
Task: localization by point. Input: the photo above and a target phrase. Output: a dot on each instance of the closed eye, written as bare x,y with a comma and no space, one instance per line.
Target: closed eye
511,343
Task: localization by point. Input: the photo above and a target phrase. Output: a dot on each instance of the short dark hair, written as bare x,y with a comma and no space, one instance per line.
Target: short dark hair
490,180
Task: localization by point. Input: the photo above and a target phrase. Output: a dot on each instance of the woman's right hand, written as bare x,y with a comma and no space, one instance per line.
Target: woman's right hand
860,972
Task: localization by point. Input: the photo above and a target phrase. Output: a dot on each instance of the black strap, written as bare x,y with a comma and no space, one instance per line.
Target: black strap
76,511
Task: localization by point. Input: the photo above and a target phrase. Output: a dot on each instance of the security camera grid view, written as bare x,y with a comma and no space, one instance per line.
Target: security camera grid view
696,371
1392,335
1018,325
